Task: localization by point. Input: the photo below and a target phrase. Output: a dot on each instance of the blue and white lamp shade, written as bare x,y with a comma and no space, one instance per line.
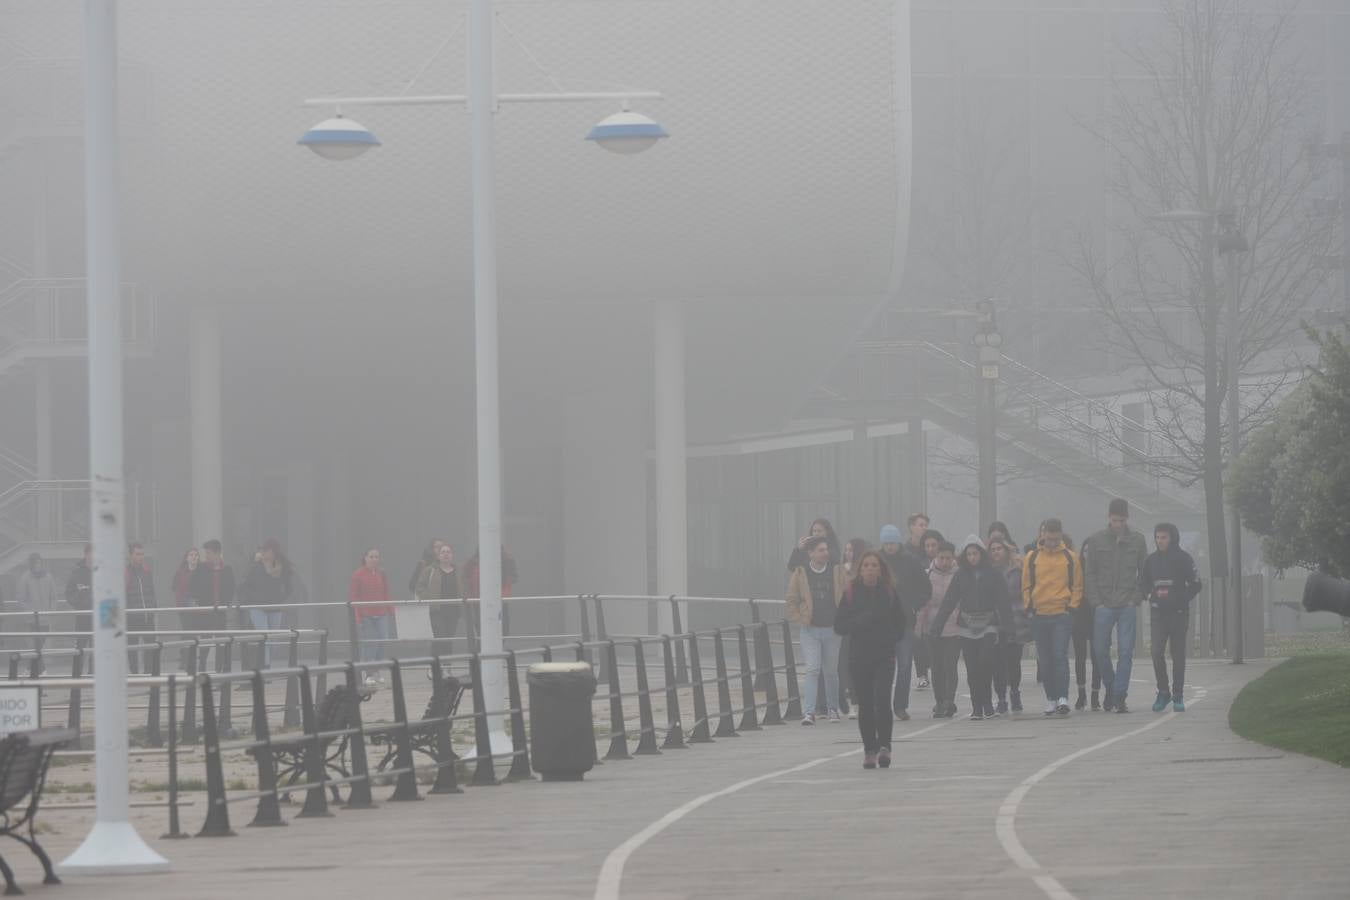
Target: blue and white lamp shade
339,138
627,132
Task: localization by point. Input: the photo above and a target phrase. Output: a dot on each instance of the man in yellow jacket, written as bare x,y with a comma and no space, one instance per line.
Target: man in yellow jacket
1052,587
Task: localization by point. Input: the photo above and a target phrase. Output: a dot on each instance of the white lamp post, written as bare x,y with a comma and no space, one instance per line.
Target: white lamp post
625,132
112,845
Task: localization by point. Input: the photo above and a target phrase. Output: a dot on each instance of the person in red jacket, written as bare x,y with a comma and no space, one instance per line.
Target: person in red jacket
369,596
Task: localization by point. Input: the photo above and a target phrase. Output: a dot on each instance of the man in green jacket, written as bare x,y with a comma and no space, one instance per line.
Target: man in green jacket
1113,562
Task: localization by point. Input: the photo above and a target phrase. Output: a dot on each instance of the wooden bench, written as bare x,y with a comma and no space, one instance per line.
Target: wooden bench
422,735
24,758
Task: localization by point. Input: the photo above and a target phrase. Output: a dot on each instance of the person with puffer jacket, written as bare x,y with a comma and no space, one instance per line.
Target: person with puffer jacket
872,615
978,596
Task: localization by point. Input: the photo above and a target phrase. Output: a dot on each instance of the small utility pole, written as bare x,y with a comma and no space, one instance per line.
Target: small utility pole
988,342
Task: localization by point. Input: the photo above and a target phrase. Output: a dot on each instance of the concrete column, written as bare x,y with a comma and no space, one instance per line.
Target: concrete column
672,510
208,517
605,501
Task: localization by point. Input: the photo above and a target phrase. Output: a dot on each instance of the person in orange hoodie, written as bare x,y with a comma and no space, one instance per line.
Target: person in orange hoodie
1052,588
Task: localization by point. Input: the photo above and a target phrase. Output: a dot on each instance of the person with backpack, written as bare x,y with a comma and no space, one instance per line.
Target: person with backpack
1052,588
978,596
1008,662
1171,582
1113,565
872,615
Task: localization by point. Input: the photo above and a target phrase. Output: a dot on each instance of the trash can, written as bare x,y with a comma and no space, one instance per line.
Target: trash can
562,734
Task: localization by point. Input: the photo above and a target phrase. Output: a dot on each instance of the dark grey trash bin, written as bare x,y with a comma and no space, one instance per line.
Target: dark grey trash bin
562,734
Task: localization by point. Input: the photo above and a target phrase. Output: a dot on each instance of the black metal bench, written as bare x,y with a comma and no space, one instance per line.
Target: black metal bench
24,758
443,704
333,717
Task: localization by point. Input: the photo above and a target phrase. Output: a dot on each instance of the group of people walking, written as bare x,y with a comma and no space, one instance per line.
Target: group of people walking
913,608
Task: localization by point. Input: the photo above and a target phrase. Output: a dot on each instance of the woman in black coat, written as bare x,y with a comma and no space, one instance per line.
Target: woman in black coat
872,616
979,596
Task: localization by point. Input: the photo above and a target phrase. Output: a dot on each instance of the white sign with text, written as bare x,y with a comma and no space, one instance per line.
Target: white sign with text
20,709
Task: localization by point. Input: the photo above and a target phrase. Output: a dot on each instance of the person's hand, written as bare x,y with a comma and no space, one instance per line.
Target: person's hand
801,544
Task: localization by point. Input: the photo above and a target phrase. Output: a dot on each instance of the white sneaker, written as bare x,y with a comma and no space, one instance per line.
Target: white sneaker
809,719
1050,707
853,712
834,716
381,678
1063,709
368,681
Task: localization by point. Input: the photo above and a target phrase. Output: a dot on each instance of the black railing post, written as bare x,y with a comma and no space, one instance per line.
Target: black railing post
321,682
763,652
217,822
674,729
190,694
447,781
700,734
601,634
749,716
548,654
269,806
74,711
290,716
726,723
773,714
618,734
585,626
153,737
406,787
484,775
175,831
794,705
360,797
353,635
647,736
316,769
520,743
681,667
226,714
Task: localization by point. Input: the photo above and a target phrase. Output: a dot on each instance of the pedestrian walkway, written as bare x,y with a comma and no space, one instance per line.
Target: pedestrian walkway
1095,805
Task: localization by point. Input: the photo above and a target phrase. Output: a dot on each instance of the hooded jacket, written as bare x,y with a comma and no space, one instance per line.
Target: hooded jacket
939,583
1170,580
1113,568
978,594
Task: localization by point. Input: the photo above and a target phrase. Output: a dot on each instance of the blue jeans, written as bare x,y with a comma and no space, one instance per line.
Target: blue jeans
820,652
374,638
1123,619
1052,652
263,620
904,671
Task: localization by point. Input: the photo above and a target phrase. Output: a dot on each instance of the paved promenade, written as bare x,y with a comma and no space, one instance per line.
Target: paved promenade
1098,805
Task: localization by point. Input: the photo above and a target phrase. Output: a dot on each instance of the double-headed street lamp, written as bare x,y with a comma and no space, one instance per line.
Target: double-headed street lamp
624,132
988,343
1229,241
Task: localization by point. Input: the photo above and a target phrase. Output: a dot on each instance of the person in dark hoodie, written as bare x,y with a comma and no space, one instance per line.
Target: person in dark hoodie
872,615
978,595
1170,582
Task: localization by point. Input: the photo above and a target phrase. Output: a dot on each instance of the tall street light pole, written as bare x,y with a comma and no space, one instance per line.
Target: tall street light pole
988,342
1230,243
112,845
624,132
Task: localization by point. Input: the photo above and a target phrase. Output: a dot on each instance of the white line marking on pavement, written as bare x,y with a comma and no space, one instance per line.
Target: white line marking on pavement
1005,824
611,873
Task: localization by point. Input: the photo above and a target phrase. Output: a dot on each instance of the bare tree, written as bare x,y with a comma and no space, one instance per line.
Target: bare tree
1215,120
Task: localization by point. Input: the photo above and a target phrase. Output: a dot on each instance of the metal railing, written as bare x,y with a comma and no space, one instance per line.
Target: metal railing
296,746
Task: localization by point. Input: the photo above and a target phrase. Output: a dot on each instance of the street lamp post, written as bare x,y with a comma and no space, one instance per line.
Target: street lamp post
988,342
625,132
1229,242
112,845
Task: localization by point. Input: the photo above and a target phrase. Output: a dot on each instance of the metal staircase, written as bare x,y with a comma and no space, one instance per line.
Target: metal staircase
1045,427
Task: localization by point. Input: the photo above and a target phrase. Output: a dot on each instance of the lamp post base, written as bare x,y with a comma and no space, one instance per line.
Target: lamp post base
113,848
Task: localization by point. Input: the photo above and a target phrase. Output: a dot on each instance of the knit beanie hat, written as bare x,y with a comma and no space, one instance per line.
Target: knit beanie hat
890,534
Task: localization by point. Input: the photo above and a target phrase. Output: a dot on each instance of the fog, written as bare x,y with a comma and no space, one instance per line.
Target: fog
844,181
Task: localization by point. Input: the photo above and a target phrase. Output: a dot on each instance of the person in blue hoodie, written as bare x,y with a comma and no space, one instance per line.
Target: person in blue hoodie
1170,582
